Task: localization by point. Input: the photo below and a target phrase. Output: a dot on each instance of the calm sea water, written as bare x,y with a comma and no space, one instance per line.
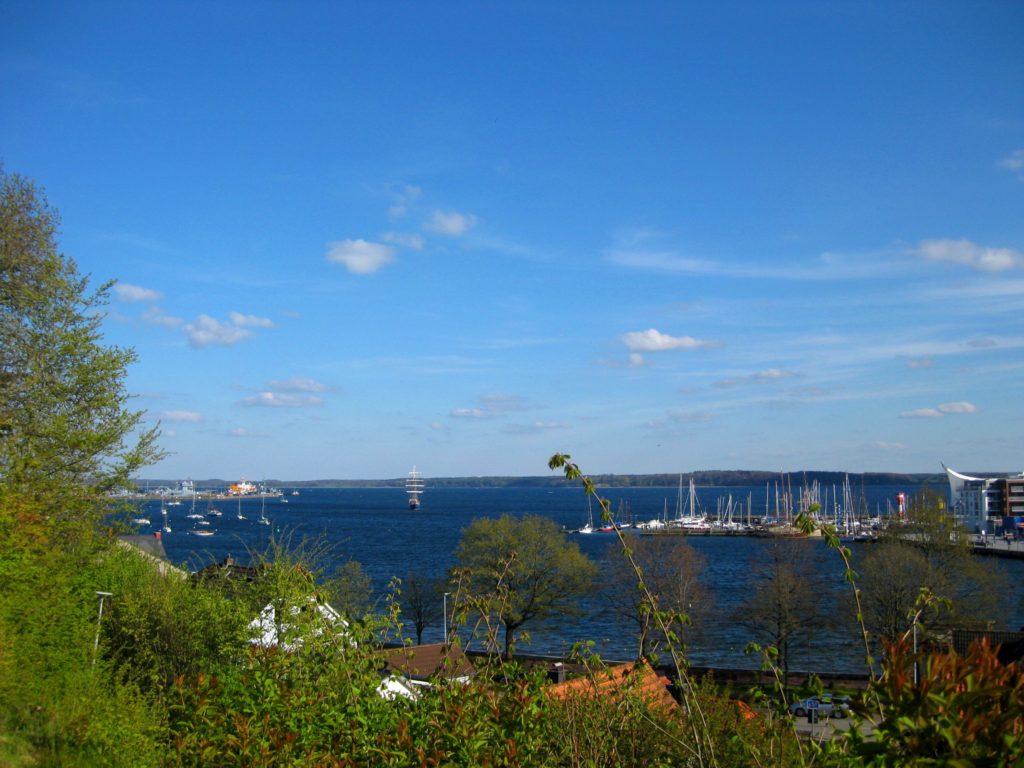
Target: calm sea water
375,527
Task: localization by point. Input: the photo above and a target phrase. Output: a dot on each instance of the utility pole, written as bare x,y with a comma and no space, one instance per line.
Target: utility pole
99,618
444,610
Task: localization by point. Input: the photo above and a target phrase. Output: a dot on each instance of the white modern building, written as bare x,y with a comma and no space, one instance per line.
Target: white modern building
980,504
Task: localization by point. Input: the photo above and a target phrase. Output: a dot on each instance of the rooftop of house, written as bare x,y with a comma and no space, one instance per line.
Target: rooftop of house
228,568
150,544
637,676
426,662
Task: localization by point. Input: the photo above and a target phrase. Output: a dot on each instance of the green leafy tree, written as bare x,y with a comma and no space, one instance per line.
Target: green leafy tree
67,437
525,568
349,589
787,605
928,551
421,600
67,434
671,570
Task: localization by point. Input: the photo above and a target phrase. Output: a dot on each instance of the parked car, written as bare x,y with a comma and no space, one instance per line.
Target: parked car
826,705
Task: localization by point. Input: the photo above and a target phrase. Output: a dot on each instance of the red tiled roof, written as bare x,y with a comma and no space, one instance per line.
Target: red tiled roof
636,676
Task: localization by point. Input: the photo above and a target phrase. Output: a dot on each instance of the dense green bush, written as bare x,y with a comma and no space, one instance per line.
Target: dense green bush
964,710
159,627
56,693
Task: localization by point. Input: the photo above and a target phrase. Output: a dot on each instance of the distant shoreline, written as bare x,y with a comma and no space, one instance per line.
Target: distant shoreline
704,478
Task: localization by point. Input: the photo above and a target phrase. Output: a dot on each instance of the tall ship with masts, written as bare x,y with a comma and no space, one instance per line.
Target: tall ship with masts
414,487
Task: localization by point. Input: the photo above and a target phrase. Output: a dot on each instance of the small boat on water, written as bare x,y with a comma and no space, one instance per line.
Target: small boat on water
141,521
588,527
200,532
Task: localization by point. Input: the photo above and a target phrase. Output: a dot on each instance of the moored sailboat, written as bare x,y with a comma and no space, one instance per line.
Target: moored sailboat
263,520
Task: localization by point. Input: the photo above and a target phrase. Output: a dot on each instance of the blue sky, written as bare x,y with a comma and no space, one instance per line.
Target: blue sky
355,237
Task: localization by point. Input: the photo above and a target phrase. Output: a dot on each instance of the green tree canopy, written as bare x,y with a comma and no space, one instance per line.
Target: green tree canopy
929,551
66,431
522,569
671,570
787,606
422,599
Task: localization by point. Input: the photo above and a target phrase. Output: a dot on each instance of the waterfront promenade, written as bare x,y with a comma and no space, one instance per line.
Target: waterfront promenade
998,546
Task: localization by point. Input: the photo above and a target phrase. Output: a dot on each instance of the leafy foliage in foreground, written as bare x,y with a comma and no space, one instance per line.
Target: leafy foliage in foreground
963,711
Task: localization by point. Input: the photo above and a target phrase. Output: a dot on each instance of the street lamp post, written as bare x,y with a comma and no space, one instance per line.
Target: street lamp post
915,649
99,618
444,610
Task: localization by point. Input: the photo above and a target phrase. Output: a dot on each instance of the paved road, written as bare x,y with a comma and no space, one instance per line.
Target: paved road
826,728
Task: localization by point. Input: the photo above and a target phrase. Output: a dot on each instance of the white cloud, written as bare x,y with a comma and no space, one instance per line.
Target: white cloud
491,406
957,407
960,406
982,343
451,223
690,417
190,417
970,254
660,261
1014,162
252,321
919,362
242,432
760,377
535,428
652,340
471,413
413,242
155,316
132,293
360,257
296,384
636,360
282,400
889,446
502,403
205,331
772,374
921,413
404,198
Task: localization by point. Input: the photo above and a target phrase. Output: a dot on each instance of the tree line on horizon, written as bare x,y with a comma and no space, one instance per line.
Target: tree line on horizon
703,478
